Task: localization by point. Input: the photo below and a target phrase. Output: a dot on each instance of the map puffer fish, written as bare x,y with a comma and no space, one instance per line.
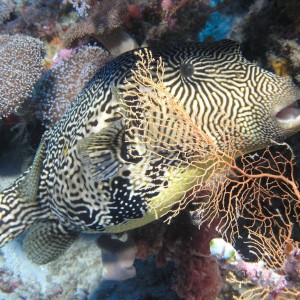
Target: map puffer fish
85,179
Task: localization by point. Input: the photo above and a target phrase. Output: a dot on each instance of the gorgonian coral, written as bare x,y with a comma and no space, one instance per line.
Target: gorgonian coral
254,199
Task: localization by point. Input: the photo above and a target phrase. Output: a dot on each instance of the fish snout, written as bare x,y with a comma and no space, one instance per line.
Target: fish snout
288,115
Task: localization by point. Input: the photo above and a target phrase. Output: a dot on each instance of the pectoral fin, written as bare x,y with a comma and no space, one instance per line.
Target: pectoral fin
28,188
99,152
19,204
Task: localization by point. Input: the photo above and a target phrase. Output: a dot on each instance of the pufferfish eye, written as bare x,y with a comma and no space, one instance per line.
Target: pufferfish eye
187,70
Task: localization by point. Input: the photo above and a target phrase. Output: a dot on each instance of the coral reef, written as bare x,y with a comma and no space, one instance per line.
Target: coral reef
4,12
81,6
21,279
34,18
101,23
21,66
268,31
268,283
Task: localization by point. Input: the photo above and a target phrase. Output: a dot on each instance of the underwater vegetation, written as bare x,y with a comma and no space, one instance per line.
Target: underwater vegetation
51,50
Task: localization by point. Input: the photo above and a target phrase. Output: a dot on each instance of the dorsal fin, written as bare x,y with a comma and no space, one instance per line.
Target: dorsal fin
28,188
99,152
19,207
46,241
224,47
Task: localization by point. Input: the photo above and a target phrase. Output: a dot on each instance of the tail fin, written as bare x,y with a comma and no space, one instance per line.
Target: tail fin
17,213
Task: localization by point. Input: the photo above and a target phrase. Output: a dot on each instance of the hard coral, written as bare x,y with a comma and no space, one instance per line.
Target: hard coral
20,67
59,85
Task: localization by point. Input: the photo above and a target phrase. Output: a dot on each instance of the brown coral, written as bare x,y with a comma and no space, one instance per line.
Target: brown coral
197,275
20,67
103,18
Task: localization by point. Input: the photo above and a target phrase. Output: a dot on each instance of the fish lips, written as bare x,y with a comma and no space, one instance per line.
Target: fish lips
288,117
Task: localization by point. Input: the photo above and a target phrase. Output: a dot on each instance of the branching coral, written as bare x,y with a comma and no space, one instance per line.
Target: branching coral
20,67
259,202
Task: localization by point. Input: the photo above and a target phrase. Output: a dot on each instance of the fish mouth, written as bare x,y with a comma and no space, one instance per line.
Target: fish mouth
289,116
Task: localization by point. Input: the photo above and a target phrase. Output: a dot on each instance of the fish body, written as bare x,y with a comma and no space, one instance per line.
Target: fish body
85,177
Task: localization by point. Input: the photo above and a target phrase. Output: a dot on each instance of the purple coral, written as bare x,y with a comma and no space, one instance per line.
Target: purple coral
21,66
271,283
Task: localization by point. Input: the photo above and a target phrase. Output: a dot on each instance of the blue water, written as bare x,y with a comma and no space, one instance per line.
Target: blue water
217,27
214,3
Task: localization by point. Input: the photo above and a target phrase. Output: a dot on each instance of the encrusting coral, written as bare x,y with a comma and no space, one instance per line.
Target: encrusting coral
21,66
268,283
